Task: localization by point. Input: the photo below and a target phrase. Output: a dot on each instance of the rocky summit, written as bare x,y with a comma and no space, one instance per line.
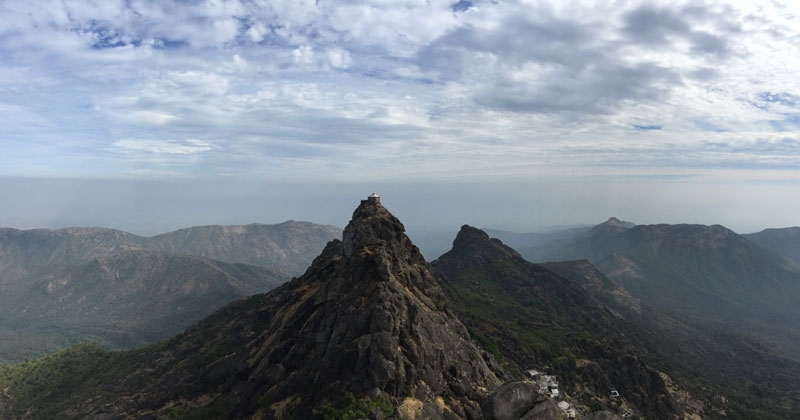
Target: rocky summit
369,318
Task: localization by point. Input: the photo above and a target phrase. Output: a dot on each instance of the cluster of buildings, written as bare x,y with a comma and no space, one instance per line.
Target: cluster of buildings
548,385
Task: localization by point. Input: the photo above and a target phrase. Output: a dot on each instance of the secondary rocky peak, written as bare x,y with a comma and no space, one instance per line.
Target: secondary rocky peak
475,241
469,234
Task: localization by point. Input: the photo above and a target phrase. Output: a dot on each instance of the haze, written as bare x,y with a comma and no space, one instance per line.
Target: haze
153,115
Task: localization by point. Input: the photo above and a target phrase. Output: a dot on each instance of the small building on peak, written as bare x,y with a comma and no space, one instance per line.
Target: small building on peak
374,198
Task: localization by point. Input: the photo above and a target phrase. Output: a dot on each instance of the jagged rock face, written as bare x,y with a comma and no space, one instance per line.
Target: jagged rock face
369,315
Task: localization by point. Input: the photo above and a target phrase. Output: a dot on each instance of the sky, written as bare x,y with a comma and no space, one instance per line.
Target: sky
154,115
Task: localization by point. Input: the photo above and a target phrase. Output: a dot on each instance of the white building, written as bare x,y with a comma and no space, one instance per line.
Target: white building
547,384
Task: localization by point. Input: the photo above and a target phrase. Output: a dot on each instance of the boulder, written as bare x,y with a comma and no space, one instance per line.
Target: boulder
510,401
547,410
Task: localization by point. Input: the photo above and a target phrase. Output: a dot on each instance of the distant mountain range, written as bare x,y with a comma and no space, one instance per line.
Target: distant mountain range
702,270
59,287
287,247
696,300
531,239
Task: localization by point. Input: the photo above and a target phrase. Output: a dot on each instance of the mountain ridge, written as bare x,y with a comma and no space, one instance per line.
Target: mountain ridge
32,262
692,250
707,272
533,317
291,242
784,241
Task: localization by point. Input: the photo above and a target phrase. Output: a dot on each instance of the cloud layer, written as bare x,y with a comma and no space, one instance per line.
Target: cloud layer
398,90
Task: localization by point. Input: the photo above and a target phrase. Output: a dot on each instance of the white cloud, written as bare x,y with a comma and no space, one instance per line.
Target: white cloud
161,147
303,55
152,117
339,58
256,32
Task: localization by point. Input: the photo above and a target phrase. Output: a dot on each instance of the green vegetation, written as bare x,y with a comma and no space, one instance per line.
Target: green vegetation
486,343
510,302
352,408
218,409
48,385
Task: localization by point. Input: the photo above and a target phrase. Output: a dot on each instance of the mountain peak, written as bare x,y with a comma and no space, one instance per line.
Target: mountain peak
469,234
478,243
613,221
373,226
614,225
369,317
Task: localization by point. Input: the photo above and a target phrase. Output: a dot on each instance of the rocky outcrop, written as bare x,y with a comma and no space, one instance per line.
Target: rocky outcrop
546,410
510,401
